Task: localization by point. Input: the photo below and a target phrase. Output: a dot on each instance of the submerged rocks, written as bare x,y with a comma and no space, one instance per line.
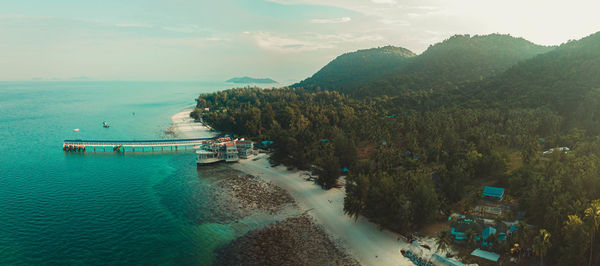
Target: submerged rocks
236,195
254,193
294,241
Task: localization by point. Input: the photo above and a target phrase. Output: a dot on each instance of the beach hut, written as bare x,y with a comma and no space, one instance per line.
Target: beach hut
493,193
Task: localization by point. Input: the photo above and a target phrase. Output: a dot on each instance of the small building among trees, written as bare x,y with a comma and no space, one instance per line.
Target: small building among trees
493,193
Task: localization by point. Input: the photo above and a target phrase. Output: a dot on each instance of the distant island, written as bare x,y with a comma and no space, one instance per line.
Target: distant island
251,80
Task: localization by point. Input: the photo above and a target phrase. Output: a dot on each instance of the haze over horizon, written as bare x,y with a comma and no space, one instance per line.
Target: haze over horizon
287,40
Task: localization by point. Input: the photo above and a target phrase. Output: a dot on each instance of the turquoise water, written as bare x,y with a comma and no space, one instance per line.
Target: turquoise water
102,208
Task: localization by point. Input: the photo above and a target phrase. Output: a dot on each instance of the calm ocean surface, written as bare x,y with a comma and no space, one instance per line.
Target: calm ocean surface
103,208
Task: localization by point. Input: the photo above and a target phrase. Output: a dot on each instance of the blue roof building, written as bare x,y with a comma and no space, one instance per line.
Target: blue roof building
494,193
265,144
459,227
491,231
486,255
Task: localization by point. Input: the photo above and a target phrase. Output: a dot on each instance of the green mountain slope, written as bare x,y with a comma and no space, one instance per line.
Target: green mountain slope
561,77
566,80
458,60
351,70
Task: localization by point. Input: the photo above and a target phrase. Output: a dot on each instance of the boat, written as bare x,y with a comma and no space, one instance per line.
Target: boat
223,149
76,129
104,124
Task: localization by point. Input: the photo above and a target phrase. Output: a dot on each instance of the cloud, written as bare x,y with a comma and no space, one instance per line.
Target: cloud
309,41
189,28
268,41
391,2
8,16
329,20
132,25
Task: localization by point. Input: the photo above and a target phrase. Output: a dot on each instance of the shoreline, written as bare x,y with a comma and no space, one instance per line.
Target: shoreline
361,239
183,126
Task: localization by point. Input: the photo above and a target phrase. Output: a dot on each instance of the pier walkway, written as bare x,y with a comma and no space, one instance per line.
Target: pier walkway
132,145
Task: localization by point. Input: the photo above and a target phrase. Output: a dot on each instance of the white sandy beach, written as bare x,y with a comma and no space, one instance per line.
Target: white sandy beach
185,127
362,239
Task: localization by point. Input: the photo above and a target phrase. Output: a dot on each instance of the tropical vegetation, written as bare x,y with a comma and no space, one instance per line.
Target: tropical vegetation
419,135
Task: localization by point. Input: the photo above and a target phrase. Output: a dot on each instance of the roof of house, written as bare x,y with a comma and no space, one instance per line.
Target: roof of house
488,231
486,255
464,225
495,192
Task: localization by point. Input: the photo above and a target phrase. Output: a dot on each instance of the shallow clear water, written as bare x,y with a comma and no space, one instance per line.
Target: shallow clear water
102,208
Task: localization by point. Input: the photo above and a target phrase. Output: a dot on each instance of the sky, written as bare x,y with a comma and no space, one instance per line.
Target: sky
287,40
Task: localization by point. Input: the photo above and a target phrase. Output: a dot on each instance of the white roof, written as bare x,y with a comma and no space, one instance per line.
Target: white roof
203,152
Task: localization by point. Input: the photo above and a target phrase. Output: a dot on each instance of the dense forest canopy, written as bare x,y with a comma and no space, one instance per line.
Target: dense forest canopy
351,70
416,151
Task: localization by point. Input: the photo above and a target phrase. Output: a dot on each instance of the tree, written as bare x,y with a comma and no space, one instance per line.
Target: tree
471,237
328,171
592,213
575,241
541,244
492,241
443,241
356,186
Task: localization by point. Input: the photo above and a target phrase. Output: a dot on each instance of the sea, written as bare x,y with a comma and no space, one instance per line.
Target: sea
61,208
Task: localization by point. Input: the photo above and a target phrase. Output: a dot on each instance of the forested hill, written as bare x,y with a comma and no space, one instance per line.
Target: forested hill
458,60
351,70
564,79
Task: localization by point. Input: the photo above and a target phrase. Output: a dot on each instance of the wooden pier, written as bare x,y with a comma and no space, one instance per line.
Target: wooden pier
79,145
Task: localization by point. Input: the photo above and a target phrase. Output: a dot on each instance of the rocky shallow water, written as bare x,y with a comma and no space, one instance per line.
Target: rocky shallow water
254,193
294,241
291,239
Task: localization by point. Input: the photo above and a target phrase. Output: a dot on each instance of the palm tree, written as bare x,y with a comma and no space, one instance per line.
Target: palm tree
593,215
443,241
471,237
523,236
541,244
492,240
522,232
